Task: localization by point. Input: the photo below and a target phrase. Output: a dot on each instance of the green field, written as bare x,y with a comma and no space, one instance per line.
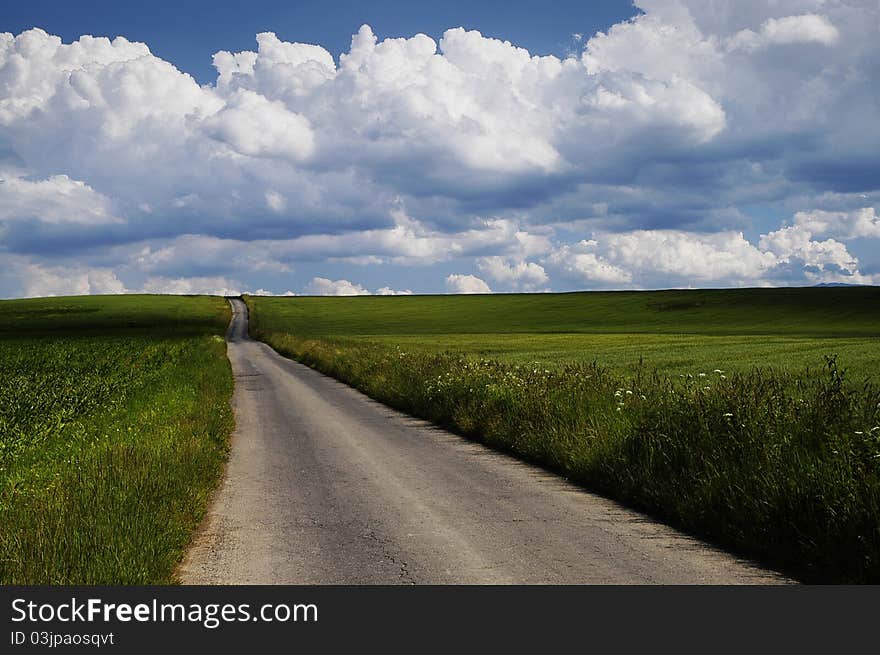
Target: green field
848,311
114,421
674,331
751,417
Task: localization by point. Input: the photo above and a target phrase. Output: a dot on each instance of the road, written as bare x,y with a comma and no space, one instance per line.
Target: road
325,486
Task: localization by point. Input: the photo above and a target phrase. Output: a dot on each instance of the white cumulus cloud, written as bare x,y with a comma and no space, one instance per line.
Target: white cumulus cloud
457,283
517,273
807,28
864,223
252,125
388,291
39,281
57,199
321,286
655,140
212,286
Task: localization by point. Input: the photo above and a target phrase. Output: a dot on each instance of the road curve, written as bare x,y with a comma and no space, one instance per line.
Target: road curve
325,486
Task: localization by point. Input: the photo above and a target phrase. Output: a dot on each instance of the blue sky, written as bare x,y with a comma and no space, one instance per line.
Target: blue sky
395,147
188,33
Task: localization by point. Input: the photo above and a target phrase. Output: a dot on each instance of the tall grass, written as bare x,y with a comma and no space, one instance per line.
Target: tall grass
113,434
782,466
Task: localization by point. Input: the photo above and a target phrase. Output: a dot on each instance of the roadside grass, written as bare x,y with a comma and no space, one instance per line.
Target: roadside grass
780,462
114,424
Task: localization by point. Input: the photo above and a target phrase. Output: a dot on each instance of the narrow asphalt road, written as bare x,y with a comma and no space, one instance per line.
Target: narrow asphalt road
325,485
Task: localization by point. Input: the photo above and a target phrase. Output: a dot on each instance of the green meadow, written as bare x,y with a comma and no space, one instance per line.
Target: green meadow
675,331
114,423
750,417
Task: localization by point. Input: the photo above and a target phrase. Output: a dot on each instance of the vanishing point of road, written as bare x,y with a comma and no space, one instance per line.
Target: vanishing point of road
325,486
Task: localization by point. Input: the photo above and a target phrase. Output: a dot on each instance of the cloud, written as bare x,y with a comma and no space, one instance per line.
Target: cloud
645,258
470,119
807,28
278,70
276,201
586,268
518,274
796,242
407,243
658,139
672,256
57,199
254,126
695,256
40,281
264,292
212,286
388,291
457,283
37,279
321,286
854,224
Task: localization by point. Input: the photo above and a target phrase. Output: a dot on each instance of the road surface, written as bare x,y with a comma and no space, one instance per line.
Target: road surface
325,486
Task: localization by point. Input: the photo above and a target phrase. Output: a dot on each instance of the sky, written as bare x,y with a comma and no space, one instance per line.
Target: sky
391,147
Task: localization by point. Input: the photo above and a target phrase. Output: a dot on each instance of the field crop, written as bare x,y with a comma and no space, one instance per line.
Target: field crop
114,419
751,417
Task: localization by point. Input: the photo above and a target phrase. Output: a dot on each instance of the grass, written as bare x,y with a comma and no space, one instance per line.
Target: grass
673,331
728,413
820,312
114,424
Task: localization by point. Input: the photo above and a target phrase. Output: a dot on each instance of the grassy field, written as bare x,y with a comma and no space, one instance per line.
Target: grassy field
675,331
748,416
114,420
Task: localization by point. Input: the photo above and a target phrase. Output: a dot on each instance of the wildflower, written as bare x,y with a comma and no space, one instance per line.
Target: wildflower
727,415
628,392
702,375
718,370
